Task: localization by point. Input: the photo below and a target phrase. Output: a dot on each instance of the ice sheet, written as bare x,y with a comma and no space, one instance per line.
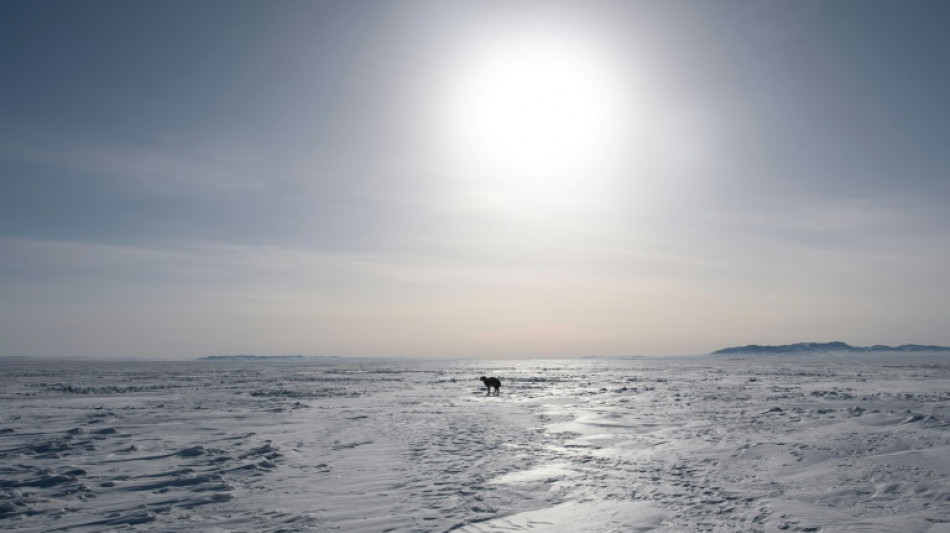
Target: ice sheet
677,444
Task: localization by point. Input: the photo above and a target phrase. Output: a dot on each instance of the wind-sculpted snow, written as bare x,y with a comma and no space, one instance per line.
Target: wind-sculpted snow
665,445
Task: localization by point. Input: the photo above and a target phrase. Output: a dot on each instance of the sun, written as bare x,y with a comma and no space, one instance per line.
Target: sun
538,117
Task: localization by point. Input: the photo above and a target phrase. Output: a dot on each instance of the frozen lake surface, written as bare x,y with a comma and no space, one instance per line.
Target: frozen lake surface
643,444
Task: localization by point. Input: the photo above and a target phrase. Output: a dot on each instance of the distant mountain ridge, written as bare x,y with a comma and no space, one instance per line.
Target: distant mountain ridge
821,347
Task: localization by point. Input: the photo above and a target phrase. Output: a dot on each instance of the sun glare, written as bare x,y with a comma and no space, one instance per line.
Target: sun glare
537,117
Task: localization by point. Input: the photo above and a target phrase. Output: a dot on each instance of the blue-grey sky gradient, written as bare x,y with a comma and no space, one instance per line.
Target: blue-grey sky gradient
190,178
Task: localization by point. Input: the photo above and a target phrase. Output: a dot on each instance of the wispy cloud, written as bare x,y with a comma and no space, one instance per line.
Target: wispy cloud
176,169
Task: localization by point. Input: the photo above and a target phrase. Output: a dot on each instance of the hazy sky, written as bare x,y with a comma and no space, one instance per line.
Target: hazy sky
486,179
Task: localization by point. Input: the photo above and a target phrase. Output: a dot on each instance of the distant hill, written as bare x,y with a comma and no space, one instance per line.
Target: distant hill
825,347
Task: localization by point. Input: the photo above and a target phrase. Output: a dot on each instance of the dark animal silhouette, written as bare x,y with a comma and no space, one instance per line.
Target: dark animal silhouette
491,383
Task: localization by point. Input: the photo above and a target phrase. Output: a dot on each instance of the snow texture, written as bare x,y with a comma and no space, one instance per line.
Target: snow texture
851,443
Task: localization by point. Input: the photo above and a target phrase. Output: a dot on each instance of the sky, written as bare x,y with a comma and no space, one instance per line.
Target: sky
471,178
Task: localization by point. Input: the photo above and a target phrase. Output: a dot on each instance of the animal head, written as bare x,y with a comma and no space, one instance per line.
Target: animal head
483,378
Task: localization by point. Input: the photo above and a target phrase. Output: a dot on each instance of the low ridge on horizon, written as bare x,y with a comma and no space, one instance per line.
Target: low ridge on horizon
822,347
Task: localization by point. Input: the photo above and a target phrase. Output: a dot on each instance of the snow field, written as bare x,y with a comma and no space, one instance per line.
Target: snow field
855,443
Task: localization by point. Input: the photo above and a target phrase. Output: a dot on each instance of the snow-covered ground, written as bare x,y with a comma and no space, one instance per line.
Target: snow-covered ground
680,444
